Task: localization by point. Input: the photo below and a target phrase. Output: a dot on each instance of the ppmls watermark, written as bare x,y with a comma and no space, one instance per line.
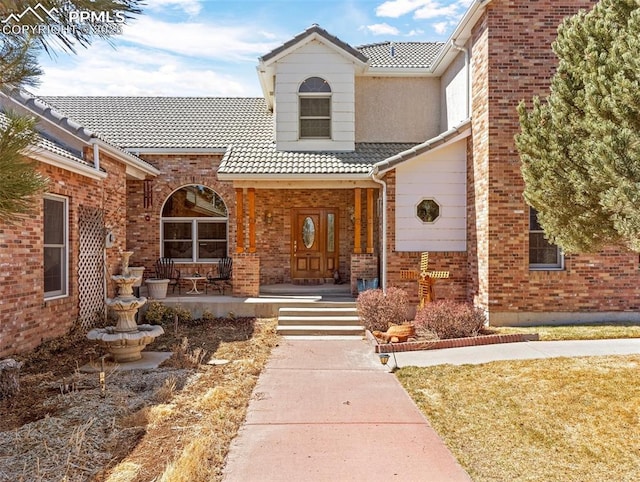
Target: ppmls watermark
42,21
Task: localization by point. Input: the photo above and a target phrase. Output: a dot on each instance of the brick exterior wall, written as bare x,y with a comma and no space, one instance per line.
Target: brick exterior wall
363,266
26,319
143,224
512,59
273,240
246,274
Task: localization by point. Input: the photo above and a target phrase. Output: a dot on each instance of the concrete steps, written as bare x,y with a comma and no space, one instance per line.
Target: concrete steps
321,319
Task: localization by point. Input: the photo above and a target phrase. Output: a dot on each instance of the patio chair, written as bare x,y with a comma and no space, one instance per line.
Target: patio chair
222,278
165,269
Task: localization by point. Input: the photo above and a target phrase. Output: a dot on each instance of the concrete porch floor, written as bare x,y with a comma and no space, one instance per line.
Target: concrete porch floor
266,305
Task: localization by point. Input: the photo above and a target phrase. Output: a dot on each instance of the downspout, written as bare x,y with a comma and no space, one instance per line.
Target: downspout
467,66
383,262
96,156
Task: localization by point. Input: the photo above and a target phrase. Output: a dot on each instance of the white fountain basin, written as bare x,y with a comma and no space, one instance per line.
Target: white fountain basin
125,346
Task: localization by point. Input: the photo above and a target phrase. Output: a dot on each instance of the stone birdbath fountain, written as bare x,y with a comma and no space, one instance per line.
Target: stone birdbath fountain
127,339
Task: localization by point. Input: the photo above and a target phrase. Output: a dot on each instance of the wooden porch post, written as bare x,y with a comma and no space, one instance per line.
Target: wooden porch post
357,221
239,221
252,220
370,220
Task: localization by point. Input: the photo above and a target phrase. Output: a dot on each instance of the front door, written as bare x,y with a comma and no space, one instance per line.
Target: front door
314,243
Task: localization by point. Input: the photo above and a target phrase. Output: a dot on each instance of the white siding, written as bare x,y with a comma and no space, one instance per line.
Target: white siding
441,175
315,59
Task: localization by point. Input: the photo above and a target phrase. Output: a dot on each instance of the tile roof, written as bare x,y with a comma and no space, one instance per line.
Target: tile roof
50,145
170,122
402,54
315,28
262,158
241,126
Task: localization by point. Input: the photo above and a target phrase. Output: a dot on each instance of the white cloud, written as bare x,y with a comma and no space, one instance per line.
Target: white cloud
199,39
434,10
414,33
383,29
423,9
398,8
441,27
134,71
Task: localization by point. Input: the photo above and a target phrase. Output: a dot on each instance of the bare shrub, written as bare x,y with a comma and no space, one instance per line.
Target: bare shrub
185,357
449,319
158,313
167,391
378,310
9,377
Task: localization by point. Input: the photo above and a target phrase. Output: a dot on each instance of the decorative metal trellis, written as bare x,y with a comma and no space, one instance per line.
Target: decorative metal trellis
91,285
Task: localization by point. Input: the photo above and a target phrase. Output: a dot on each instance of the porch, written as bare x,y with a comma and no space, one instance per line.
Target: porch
266,305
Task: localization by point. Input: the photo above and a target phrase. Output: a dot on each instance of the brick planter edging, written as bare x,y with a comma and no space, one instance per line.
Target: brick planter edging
450,343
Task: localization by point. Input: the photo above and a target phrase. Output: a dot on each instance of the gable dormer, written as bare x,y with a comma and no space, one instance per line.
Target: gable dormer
309,83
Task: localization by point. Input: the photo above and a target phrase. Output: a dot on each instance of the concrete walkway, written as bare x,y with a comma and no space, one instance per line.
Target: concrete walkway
518,351
327,410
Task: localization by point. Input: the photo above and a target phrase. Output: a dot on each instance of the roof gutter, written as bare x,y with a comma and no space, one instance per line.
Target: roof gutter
463,31
128,159
229,176
62,162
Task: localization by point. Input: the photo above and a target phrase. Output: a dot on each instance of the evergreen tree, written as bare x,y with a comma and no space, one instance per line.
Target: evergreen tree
19,48
580,147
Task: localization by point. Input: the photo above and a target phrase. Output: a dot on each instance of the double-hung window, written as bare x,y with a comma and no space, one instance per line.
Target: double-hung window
56,243
314,97
543,255
194,225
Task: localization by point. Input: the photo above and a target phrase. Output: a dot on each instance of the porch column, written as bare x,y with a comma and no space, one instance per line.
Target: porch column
252,220
357,221
370,221
239,221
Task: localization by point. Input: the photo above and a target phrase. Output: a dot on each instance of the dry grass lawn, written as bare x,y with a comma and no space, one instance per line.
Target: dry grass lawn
174,423
536,420
595,331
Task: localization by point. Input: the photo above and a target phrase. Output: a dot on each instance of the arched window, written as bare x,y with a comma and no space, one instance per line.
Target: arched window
315,109
194,225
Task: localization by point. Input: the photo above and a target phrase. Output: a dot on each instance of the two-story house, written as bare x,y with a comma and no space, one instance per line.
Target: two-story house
356,160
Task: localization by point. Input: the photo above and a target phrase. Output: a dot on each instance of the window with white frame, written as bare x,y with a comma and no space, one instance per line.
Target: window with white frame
314,97
543,255
194,225
56,246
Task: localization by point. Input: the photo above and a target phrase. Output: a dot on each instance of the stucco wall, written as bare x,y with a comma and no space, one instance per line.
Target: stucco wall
397,109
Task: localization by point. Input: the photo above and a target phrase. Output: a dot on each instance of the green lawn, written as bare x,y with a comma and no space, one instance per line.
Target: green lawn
562,419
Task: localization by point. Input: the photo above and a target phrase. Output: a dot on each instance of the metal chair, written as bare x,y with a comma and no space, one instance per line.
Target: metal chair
222,278
165,269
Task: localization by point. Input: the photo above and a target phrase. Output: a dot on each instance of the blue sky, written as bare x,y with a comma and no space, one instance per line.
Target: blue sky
211,47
